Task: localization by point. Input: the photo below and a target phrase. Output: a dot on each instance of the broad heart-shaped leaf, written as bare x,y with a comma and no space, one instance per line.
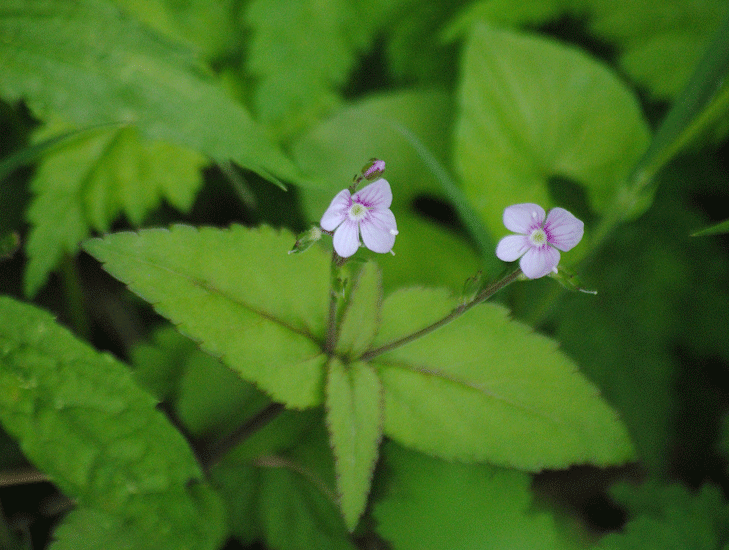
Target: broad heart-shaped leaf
531,110
80,418
84,184
485,388
361,317
89,62
354,418
238,293
438,505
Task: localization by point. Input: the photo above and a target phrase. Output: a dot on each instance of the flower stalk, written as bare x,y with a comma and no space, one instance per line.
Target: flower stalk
482,296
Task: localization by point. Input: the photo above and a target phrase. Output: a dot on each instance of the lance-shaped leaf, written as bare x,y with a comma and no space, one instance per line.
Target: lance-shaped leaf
361,318
238,293
532,110
91,63
485,388
354,417
81,419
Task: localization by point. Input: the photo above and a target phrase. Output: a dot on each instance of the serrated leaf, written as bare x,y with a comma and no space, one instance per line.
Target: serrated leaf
489,389
86,183
267,324
361,316
429,503
80,418
90,63
533,109
354,418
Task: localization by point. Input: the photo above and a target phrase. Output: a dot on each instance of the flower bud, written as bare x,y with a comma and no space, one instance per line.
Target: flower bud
306,239
373,169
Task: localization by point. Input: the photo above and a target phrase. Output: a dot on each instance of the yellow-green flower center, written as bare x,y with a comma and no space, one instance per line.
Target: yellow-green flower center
357,211
538,237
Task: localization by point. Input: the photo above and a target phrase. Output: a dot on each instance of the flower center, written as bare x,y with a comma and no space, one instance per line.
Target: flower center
357,211
538,237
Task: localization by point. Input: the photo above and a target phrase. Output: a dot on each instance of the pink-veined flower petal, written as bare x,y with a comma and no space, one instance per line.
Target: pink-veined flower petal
563,229
346,238
337,211
538,261
378,230
512,247
521,218
377,195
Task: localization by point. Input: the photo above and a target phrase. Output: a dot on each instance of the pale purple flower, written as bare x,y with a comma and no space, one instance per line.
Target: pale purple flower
366,212
539,240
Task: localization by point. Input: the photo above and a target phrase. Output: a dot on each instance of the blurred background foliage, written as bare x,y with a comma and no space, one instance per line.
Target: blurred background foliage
127,113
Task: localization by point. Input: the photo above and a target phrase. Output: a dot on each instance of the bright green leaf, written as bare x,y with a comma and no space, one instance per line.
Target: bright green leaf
80,418
489,389
361,317
238,293
532,110
85,183
91,63
429,503
354,418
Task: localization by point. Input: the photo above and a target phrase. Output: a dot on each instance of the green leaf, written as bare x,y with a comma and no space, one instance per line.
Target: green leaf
237,292
207,397
533,110
354,418
90,63
80,418
209,27
86,183
429,503
504,13
702,105
489,389
283,496
670,517
302,52
361,317
659,41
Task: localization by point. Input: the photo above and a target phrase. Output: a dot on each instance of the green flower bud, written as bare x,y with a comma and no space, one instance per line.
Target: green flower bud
306,239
